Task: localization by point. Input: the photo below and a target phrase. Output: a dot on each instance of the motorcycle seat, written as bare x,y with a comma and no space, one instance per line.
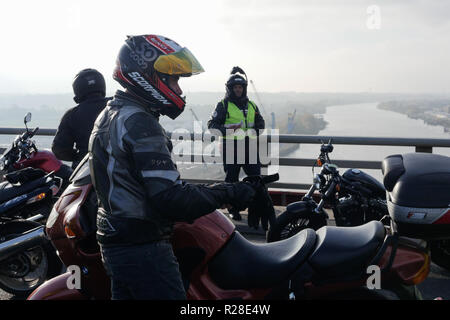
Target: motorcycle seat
344,251
9,191
243,264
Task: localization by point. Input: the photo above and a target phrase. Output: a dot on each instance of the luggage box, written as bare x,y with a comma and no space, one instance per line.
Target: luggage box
418,194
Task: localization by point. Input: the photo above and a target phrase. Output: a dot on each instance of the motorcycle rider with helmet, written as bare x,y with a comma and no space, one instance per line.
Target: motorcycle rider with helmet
72,137
138,185
237,112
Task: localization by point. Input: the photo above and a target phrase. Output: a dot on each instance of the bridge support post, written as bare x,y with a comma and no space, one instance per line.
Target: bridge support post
424,149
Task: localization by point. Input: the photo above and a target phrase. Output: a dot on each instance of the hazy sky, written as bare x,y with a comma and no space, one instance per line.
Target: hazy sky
283,45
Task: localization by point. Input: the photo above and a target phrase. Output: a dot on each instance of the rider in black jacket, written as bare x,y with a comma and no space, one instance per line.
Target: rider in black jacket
138,185
72,137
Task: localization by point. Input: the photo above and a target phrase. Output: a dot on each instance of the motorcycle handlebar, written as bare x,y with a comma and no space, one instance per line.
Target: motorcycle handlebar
327,193
330,189
33,132
29,134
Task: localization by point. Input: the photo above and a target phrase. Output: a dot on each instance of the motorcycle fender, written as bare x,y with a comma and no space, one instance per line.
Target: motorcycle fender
299,208
57,289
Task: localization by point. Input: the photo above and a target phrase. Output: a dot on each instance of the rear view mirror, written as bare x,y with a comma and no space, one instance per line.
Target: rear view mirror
27,118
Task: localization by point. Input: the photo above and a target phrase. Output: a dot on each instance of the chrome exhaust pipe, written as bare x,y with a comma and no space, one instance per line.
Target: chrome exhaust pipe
36,218
27,240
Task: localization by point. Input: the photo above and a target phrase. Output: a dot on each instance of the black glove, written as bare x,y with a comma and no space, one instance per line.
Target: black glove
261,208
243,195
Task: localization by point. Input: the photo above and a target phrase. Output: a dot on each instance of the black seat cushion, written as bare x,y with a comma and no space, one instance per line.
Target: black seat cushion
24,175
9,191
346,250
243,264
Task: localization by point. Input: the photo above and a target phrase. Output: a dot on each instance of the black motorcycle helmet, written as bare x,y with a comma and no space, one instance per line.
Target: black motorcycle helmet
86,82
234,79
143,66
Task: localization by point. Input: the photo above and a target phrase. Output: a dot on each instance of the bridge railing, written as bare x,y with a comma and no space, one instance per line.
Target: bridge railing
420,145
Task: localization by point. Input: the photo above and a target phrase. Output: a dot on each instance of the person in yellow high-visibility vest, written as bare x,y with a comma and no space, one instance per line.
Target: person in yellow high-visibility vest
239,120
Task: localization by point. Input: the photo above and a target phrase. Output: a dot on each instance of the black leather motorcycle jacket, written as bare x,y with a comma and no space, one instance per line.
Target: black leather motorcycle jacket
72,137
138,185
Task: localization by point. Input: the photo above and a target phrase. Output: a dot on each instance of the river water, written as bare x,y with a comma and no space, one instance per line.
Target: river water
364,120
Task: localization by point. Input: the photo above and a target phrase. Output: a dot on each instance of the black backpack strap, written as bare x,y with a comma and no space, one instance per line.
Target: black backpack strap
225,106
252,104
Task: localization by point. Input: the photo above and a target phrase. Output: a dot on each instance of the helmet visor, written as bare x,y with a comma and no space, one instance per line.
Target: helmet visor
182,63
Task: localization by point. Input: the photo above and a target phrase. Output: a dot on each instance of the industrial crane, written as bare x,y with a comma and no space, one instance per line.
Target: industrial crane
259,100
197,119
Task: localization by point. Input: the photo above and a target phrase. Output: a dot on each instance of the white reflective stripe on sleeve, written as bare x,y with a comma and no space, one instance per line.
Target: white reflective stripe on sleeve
229,125
110,171
171,175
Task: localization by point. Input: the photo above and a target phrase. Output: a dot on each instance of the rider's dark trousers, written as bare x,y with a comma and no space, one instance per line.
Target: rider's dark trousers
232,164
143,272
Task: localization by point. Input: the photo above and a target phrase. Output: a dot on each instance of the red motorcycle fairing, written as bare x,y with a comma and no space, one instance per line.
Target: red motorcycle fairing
76,245
56,289
411,265
41,159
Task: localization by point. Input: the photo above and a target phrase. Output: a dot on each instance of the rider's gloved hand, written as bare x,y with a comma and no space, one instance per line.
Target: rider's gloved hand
242,195
261,208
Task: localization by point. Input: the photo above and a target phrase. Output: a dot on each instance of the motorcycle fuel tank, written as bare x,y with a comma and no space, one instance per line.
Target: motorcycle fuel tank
42,159
366,181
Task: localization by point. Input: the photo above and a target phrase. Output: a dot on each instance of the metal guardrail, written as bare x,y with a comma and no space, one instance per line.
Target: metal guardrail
420,144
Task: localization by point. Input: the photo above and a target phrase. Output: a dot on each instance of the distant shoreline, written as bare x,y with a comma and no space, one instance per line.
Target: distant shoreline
432,112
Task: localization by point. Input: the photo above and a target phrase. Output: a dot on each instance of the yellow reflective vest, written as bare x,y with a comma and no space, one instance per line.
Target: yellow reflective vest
236,116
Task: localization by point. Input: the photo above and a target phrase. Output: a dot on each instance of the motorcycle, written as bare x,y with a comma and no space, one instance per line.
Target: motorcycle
23,153
24,201
355,198
217,262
